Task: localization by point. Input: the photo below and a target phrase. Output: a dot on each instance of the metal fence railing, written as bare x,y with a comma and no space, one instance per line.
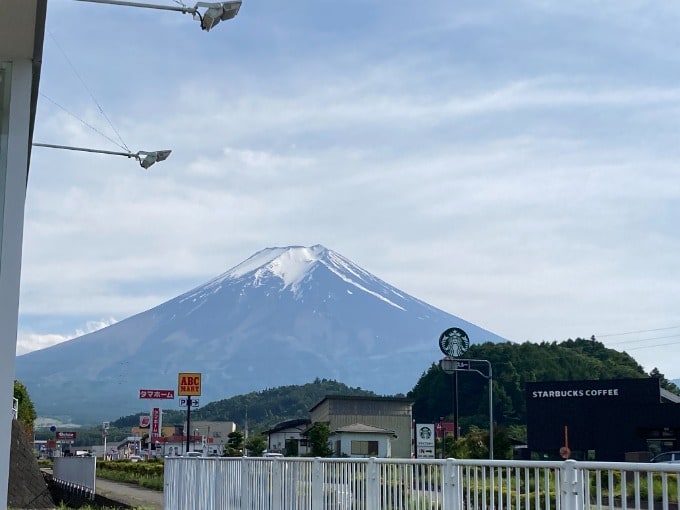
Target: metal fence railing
76,474
396,484
15,408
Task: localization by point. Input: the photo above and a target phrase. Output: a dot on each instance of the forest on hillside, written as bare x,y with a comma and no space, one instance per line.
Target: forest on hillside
513,366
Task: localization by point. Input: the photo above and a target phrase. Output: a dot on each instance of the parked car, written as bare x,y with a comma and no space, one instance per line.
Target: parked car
193,454
672,457
135,458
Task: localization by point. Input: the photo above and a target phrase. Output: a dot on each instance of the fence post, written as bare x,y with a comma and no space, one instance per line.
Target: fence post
451,488
571,491
277,484
245,484
372,484
317,484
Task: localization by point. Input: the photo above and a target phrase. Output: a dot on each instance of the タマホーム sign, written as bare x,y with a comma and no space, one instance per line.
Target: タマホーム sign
189,384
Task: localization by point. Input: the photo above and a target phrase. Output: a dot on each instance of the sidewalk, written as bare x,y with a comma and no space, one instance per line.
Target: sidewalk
129,494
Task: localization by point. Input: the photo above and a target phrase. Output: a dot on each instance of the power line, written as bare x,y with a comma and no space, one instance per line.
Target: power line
643,339
99,107
637,332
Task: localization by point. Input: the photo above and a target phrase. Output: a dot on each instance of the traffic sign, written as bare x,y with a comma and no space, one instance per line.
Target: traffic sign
189,384
157,394
184,401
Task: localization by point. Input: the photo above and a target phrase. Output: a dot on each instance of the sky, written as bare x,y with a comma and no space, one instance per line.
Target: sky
512,163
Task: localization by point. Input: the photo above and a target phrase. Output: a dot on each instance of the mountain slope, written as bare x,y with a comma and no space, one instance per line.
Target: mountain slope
284,316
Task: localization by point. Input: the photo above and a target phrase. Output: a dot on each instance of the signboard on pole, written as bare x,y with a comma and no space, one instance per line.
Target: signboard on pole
155,422
157,394
425,438
189,384
65,436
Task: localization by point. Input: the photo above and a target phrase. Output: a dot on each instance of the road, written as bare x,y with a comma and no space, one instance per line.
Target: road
130,494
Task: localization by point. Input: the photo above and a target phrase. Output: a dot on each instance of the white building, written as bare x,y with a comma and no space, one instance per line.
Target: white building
362,441
22,29
283,434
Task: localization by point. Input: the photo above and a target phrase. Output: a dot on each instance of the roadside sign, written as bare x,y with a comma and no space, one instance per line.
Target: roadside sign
65,436
189,384
155,422
144,421
451,365
157,394
184,401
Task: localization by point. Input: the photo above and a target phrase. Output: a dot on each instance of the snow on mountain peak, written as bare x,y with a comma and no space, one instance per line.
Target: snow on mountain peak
290,264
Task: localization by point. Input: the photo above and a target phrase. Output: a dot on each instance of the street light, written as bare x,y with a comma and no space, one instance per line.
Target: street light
214,11
145,158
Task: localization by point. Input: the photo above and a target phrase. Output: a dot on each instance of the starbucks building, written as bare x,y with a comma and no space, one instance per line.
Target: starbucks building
604,420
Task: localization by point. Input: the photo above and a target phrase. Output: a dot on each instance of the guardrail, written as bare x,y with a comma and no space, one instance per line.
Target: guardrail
396,484
77,475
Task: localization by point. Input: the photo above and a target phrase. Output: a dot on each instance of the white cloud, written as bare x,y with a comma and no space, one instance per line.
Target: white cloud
28,342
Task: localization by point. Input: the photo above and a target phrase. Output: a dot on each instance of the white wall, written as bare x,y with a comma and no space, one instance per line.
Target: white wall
12,227
384,446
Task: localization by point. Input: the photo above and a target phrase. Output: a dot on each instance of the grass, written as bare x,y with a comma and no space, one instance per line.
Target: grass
145,474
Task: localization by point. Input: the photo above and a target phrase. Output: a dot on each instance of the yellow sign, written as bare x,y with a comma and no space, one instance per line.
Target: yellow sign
189,384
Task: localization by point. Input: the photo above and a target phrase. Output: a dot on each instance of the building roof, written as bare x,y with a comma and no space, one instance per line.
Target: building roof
667,396
362,398
289,424
360,428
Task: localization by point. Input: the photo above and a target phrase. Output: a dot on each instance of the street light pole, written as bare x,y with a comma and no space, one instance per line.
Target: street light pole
145,158
214,11
452,365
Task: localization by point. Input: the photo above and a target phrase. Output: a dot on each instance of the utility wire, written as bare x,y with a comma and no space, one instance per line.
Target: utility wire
124,147
643,339
101,110
636,332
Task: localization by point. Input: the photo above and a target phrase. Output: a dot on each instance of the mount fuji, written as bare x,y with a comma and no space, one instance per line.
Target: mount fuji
283,316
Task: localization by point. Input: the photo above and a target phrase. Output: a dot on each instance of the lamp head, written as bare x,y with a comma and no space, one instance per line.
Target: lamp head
216,12
151,157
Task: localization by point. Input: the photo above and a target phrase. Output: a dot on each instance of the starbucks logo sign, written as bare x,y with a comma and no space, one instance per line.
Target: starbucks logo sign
454,342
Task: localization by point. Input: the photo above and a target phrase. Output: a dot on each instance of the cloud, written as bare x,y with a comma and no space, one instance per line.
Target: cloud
28,342
484,158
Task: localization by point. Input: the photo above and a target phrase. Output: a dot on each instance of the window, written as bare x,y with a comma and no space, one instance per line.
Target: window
368,448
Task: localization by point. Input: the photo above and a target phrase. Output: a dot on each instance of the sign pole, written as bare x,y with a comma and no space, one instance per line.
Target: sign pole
188,422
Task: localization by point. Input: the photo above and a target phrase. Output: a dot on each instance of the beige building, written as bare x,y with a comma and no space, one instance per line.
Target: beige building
392,415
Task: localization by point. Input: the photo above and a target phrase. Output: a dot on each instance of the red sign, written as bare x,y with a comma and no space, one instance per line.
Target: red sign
144,421
157,394
65,436
155,422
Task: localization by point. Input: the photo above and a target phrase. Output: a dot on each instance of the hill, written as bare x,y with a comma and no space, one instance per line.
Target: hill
513,365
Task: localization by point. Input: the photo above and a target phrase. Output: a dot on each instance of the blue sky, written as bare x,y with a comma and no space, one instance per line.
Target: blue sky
512,163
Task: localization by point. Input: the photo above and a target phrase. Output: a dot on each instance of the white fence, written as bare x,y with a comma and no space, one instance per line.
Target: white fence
15,408
76,474
396,484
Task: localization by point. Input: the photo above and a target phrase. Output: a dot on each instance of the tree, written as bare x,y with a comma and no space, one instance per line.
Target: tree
234,447
318,440
26,414
256,445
